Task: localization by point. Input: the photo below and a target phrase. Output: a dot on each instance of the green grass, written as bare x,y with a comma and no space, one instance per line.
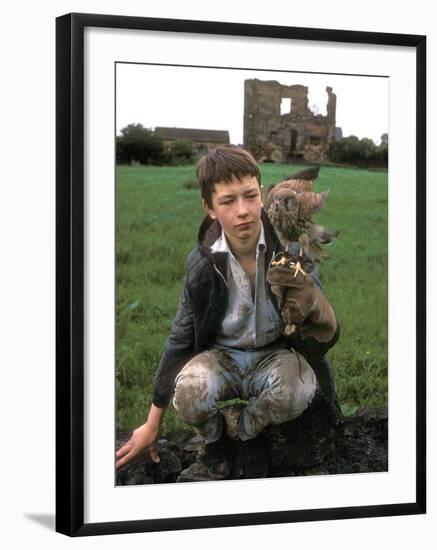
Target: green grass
157,220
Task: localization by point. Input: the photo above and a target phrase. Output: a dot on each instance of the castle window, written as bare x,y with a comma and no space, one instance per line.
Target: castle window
285,105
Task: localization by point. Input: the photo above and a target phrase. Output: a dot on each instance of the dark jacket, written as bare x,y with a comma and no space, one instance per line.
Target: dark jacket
202,307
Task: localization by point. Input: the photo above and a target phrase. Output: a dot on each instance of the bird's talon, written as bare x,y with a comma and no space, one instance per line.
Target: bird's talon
282,261
298,269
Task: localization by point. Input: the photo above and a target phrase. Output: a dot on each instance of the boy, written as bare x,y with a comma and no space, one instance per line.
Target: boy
226,339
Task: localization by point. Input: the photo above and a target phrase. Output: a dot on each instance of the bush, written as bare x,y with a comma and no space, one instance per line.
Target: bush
361,152
139,145
181,151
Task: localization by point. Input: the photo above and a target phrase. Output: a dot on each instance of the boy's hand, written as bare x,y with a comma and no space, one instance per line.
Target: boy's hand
144,437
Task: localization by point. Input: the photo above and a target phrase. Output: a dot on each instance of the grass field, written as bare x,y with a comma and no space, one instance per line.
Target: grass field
157,220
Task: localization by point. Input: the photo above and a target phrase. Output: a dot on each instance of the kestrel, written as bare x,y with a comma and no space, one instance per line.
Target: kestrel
290,206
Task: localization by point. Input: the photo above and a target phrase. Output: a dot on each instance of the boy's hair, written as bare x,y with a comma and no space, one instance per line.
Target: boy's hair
224,163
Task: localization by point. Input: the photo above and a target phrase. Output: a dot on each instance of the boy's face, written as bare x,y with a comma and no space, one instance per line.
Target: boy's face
237,206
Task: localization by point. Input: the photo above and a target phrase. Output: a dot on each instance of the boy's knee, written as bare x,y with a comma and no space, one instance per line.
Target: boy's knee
282,402
294,388
194,396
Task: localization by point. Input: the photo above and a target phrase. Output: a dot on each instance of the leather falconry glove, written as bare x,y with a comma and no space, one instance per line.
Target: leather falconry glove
303,305
309,321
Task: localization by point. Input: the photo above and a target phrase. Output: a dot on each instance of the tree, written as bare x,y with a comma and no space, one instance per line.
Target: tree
367,150
362,152
139,144
182,151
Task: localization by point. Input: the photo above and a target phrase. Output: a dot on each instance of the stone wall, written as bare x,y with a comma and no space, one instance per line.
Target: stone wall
298,134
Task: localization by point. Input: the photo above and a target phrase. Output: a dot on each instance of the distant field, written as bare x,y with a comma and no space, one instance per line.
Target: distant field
157,220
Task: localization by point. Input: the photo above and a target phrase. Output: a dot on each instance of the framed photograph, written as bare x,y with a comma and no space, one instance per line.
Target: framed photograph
139,103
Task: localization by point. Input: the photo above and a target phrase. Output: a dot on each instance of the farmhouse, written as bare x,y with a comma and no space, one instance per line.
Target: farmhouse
203,140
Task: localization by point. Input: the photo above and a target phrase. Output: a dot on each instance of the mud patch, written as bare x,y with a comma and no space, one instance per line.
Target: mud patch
305,446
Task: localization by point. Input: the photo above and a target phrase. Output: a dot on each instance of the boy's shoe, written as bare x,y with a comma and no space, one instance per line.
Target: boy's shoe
200,472
218,452
231,414
214,463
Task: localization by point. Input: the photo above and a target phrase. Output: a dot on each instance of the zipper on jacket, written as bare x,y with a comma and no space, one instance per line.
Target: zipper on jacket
268,289
265,276
221,275
271,260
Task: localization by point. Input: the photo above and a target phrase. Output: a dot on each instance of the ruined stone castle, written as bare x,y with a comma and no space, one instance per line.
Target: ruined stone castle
298,134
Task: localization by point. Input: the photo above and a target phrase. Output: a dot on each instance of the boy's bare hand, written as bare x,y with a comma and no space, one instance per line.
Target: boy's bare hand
144,437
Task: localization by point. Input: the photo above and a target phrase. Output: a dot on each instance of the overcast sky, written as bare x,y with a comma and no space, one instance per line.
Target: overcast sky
213,99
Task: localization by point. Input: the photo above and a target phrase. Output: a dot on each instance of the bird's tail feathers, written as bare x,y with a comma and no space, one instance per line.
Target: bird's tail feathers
323,235
323,197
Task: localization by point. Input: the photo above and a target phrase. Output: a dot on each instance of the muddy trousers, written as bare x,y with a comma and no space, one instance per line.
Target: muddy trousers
277,384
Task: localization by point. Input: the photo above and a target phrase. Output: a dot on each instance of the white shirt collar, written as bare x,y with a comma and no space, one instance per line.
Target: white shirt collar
222,245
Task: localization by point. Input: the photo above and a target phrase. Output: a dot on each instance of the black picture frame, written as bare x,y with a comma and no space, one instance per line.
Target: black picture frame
70,272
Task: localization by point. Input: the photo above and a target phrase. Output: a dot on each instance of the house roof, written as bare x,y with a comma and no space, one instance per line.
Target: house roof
216,136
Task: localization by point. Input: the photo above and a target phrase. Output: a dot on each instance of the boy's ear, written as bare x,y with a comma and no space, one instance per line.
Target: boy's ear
210,212
263,197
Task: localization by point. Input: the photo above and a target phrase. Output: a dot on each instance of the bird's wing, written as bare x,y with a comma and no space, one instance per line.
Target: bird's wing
298,186
310,202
